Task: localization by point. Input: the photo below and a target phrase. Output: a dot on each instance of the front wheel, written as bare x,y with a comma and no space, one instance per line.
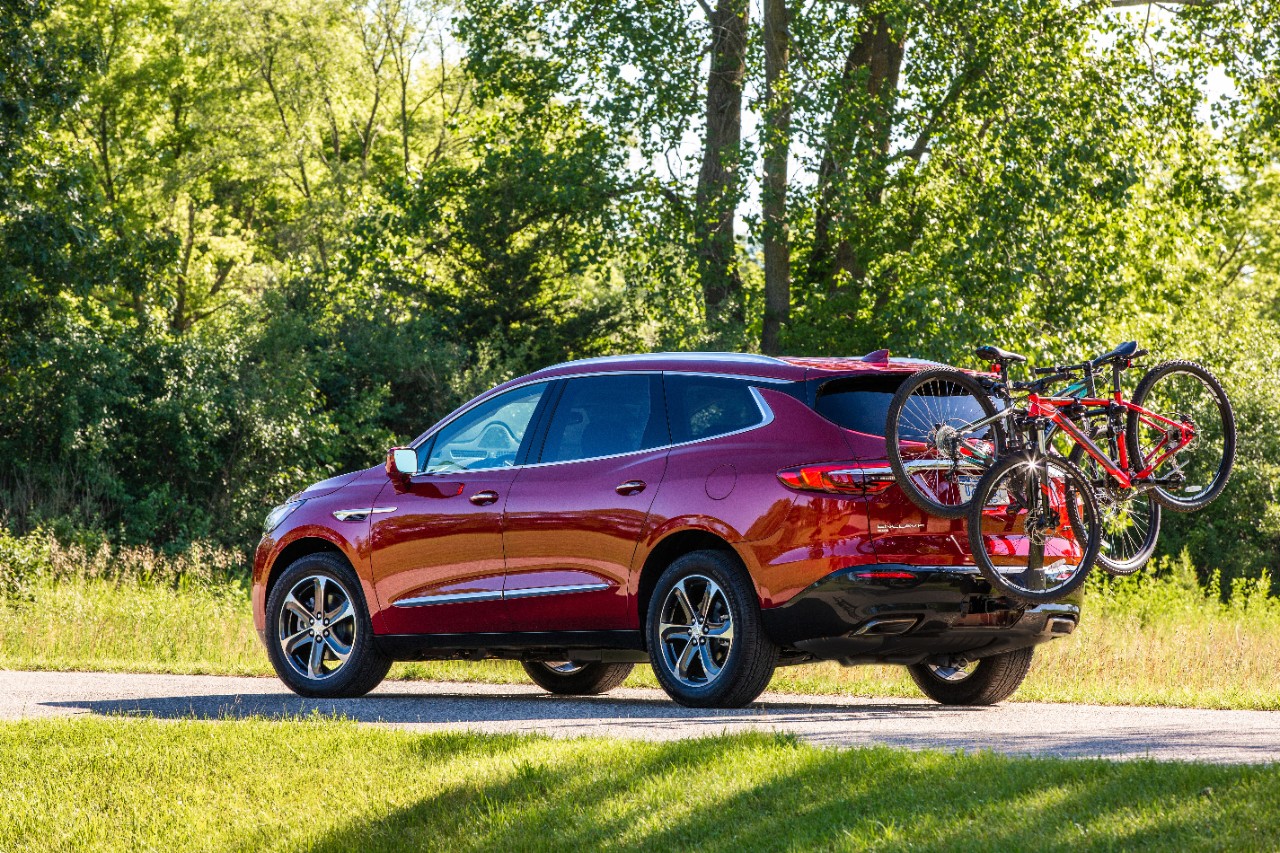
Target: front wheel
935,453
706,639
1025,539
1186,394
983,682
577,678
319,636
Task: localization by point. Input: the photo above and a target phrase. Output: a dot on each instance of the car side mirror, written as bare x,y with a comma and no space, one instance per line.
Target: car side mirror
402,463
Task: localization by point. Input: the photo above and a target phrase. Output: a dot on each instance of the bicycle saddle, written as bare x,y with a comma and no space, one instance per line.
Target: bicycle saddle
1002,356
1124,352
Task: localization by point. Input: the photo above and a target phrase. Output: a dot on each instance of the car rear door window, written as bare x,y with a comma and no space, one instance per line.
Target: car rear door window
606,416
706,406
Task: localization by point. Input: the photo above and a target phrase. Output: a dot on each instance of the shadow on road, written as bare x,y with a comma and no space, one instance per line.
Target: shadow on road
458,707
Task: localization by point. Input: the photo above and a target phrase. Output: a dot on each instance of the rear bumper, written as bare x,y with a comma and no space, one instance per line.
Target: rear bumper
863,614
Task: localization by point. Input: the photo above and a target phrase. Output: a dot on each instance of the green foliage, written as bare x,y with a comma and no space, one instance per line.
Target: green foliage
243,247
277,241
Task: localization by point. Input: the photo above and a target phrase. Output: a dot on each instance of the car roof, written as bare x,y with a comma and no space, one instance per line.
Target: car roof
792,368
786,368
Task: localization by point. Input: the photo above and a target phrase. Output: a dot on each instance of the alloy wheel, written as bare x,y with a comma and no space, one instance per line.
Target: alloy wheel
696,630
953,672
317,627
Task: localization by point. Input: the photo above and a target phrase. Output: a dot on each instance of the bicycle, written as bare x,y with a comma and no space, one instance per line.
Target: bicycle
954,464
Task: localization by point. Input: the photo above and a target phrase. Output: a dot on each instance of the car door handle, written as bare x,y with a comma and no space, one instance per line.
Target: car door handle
488,496
631,487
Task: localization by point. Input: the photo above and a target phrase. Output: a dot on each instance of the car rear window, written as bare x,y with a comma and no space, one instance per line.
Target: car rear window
706,406
861,403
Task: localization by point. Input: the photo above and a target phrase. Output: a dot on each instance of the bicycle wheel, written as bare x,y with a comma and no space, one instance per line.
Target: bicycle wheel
1184,392
1128,519
935,457
1022,534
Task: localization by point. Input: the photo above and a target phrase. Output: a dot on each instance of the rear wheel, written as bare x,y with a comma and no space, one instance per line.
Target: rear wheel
1024,539
706,639
577,678
1128,519
935,456
1186,393
982,682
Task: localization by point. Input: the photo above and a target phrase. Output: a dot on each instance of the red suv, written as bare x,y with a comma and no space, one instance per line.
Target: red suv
714,515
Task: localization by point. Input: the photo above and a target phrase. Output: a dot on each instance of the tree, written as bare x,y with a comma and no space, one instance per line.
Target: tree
777,153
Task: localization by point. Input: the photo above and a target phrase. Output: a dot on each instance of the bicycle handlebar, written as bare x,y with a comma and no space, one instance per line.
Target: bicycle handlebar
1062,368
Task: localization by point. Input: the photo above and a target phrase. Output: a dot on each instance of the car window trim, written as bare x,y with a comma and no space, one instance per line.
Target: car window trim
766,412
521,451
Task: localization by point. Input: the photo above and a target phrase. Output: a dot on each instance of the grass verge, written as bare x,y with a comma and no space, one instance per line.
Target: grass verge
333,785
1154,639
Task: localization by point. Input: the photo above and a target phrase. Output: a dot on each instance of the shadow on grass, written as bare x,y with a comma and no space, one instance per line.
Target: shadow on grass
765,793
1013,730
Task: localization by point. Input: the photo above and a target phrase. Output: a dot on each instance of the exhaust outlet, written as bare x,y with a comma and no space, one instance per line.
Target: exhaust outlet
1061,625
887,627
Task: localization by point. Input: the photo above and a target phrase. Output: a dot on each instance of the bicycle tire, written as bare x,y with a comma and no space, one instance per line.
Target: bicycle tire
986,494
1136,554
1226,423
904,419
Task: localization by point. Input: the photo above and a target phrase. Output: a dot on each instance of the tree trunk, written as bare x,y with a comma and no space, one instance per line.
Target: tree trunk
717,194
777,149
870,82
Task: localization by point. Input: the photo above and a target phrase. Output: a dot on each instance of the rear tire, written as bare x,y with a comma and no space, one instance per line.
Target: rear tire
574,678
986,682
711,651
1210,404
912,415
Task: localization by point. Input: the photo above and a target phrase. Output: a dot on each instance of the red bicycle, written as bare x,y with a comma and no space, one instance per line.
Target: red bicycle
982,447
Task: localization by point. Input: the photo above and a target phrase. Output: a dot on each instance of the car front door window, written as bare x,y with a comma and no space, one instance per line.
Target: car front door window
488,436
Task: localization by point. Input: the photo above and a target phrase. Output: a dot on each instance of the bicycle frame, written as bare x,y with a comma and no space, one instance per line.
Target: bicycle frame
1048,408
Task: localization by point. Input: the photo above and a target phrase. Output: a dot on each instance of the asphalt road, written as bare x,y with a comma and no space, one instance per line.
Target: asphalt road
1021,728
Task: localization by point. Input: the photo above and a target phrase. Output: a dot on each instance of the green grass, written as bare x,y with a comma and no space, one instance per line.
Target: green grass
1146,640
333,785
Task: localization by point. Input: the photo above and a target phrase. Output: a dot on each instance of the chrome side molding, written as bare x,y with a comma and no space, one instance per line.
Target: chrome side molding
450,598
497,594
361,513
534,591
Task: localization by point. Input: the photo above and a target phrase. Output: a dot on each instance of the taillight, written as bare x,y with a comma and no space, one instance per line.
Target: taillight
885,575
838,478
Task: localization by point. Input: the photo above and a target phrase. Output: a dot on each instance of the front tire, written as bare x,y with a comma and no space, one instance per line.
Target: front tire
706,639
576,678
319,636
986,682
